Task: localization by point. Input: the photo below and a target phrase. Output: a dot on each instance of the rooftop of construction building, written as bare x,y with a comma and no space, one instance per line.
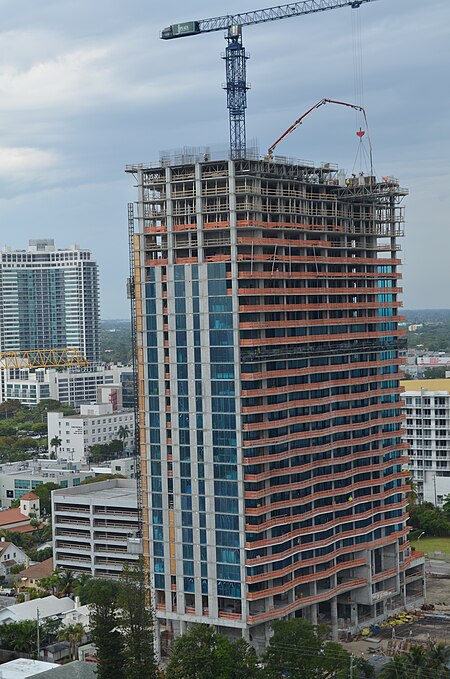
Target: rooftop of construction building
325,172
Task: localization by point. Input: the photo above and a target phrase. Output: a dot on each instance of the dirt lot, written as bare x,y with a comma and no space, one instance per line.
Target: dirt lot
438,591
432,625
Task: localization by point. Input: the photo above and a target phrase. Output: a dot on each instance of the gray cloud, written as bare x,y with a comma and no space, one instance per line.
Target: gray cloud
87,87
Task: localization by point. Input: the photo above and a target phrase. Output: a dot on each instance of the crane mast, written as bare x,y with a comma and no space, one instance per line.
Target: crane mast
236,58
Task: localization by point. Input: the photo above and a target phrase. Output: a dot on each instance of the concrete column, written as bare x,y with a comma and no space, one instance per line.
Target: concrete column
157,639
313,614
354,615
334,619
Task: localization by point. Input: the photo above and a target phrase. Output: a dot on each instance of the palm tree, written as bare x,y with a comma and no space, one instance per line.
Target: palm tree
123,433
20,636
412,495
439,658
74,635
418,659
55,443
80,581
397,668
51,583
66,582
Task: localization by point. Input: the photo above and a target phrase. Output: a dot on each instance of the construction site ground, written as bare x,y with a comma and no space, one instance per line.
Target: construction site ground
431,625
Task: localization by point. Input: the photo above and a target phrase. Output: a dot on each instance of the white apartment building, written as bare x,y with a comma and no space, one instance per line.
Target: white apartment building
95,527
73,387
96,424
427,410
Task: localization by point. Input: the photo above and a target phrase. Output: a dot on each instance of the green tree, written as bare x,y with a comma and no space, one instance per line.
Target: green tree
39,428
419,663
244,661
136,622
91,590
300,650
48,631
397,668
430,519
20,636
446,507
412,494
81,580
106,634
102,477
9,409
55,443
51,583
74,635
123,433
66,582
44,493
203,653
196,655
439,658
10,536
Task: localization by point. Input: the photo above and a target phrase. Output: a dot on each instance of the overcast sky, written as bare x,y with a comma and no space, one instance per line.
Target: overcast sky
87,86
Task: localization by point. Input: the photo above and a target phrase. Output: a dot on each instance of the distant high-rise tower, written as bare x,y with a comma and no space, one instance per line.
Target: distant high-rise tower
273,469
49,298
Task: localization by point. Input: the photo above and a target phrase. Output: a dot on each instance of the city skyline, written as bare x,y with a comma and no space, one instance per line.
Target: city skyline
88,89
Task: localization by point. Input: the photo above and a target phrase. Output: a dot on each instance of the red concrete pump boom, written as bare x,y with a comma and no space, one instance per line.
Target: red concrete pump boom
313,108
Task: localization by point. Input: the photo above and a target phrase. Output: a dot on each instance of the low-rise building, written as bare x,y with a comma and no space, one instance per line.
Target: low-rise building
96,424
72,670
30,577
95,527
19,478
48,607
126,466
427,411
10,555
72,386
19,519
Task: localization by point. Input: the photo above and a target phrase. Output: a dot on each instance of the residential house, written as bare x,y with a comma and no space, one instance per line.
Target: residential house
48,607
10,556
31,576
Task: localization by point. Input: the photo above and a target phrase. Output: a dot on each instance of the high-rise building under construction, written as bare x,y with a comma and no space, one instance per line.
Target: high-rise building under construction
272,468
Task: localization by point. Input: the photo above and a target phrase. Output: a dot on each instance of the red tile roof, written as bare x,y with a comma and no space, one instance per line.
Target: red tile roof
10,516
29,496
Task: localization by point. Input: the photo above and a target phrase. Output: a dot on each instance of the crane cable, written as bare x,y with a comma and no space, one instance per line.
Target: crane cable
363,159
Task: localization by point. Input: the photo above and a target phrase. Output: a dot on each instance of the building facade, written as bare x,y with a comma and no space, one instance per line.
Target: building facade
95,527
19,478
427,411
96,424
272,459
73,386
50,299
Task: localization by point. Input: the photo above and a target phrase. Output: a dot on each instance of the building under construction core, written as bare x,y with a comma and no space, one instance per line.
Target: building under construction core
272,468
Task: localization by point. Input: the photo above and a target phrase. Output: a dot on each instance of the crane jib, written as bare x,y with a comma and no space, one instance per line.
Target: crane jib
257,17
235,56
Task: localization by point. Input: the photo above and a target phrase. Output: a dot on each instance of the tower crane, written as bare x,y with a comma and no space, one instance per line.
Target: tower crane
235,56
42,358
